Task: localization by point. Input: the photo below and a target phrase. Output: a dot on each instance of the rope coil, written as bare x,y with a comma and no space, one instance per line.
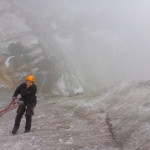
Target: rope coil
11,106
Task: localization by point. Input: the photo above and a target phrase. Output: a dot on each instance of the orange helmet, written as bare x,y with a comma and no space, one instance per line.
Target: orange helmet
30,78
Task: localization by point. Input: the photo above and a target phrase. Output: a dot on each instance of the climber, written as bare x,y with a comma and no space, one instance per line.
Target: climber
27,91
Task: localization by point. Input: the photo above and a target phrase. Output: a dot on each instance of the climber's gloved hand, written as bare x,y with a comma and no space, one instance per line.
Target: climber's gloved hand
13,99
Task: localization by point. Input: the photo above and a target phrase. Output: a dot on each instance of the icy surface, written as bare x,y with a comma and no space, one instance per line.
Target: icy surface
115,119
59,124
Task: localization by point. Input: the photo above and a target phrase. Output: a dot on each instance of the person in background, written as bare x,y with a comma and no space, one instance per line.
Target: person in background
28,101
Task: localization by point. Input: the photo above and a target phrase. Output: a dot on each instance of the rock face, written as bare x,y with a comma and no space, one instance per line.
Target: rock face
22,52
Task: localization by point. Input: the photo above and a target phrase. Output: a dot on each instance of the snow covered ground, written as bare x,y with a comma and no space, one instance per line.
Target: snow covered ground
112,120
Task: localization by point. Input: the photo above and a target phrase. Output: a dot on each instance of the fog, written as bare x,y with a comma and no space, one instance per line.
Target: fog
104,41
99,48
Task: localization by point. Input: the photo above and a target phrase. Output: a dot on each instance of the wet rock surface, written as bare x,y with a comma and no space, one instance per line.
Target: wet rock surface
24,52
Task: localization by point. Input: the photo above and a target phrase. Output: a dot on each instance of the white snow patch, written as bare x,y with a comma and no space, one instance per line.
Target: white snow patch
78,90
2,86
62,86
41,116
34,42
7,62
35,69
67,43
38,60
21,68
35,52
22,74
60,140
70,141
55,92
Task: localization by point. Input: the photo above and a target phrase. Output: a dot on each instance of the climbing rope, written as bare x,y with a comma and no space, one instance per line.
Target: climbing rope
11,106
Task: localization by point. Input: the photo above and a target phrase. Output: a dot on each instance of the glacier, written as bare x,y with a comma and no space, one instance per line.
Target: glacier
115,119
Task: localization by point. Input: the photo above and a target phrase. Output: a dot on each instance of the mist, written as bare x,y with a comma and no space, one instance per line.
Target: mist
90,59
104,42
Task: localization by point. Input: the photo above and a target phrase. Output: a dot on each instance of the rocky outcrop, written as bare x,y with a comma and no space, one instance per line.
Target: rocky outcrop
23,51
